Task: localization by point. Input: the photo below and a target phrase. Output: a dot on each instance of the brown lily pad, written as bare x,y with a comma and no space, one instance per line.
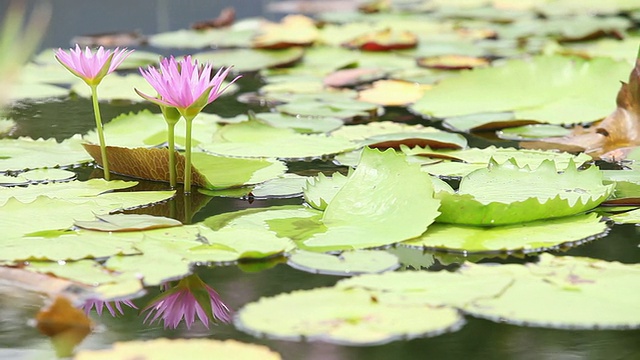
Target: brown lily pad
144,163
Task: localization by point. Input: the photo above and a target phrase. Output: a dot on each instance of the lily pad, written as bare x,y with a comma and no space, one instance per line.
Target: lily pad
462,162
301,124
292,30
506,194
351,317
208,171
393,92
256,139
529,237
347,263
321,189
37,176
371,210
127,222
247,60
25,153
533,89
166,349
529,132
116,87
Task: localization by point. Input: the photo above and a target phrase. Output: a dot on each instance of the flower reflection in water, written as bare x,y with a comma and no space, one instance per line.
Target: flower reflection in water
114,307
190,297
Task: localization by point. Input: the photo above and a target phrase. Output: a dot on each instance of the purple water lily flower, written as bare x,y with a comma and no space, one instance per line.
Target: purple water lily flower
92,68
114,307
89,66
190,297
185,87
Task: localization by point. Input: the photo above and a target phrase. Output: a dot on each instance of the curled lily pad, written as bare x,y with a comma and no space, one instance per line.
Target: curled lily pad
127,222
347,263
208,171
321,189
506,194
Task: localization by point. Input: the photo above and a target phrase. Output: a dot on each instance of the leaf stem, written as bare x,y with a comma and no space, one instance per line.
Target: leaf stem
103,146
187,155
173,178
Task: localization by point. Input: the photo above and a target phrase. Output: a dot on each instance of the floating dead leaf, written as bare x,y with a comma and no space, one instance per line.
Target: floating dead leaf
393,92
227,17
66,325
143,163
353,77
293,30
384,40
452,62
127,222
621,129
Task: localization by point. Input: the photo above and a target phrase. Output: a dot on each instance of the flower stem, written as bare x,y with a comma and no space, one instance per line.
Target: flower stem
103,146
173,179
187,155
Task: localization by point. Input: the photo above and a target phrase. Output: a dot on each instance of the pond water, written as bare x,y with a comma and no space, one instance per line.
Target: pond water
478,339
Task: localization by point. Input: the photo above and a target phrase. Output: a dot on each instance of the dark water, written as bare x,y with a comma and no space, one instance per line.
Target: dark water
478,339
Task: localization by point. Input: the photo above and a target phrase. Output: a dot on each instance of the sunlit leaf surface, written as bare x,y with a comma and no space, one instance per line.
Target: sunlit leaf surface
25,153
347,263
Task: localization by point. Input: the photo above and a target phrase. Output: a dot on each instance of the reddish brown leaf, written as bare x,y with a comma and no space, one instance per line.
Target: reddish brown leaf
413,142
66,325
143,163
226,18
112,39
384,40
621,129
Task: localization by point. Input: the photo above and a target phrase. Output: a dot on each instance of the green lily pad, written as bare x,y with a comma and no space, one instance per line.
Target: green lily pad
347,263
343,317
116,87
247,60
628,217
36,91
37,176
576,293
256,139
76,191
529,237
521,86
25,153
570,292
320,190
371,210
483,121
195,349
300,124
63,245
199,39
168,253
285,186
532,132
462,162
412,259
127,222
343,108
507,194
145,128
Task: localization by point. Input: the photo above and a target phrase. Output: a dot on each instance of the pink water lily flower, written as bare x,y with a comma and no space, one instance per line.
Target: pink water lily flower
114,307
185,85
91,67
189,298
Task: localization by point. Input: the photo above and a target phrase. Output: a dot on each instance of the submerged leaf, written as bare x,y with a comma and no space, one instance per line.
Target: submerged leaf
127,222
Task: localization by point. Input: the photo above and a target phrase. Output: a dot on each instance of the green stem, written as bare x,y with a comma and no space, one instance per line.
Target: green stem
187,155
103,146
173,178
